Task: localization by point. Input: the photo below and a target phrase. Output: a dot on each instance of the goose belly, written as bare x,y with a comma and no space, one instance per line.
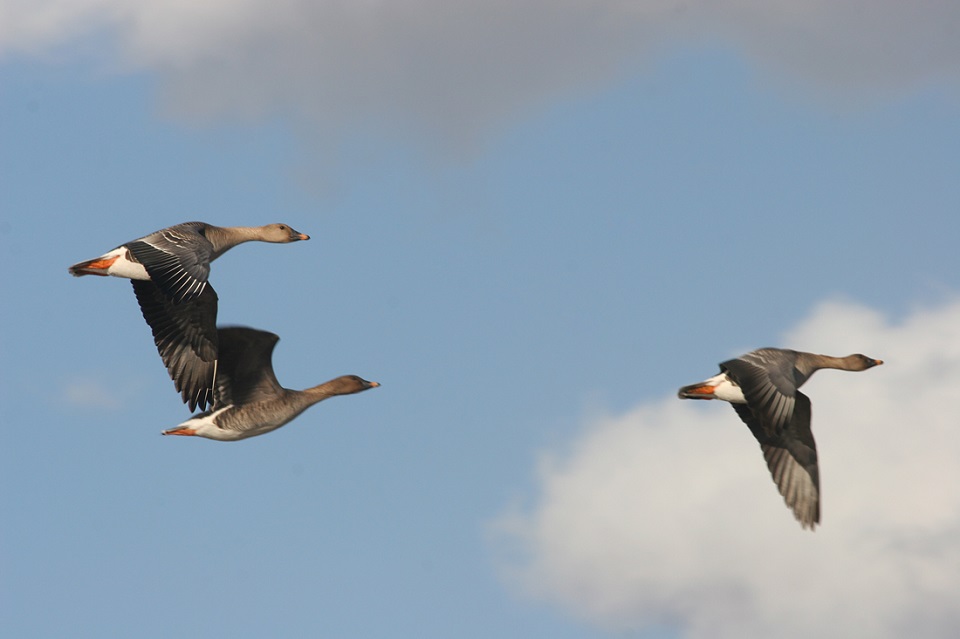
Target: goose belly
241,422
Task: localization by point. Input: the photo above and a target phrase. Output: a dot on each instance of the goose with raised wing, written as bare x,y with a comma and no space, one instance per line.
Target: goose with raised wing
169,270
762,386
249,401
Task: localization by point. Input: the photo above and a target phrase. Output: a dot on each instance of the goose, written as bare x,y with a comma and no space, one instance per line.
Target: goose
168,270
762,387
249,400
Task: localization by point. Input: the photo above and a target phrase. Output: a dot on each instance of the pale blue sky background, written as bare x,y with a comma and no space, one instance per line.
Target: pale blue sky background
506,265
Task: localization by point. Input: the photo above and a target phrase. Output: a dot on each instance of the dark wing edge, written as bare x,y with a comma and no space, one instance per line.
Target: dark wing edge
245,372
792,460
186,338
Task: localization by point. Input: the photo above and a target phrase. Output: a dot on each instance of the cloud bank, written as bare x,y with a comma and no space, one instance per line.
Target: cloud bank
667,514
454,69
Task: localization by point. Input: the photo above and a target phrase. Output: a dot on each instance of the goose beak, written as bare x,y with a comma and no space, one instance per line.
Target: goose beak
877,362
302,236
373,384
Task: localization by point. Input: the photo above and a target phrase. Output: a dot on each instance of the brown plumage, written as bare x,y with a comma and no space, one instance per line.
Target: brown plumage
169,270
762,386
249,401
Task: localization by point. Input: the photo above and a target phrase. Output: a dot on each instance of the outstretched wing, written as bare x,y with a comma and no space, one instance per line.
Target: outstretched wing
791,455
177,259
245,370
186,338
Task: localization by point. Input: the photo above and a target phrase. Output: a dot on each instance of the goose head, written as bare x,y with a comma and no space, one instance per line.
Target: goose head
349,384
281,234
858,362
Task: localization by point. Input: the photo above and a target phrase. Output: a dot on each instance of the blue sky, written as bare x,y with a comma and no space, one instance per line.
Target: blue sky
531,223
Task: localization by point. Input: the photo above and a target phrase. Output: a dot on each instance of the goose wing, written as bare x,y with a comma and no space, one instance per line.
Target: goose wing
245,374
177,259
766,377
791,455
186,337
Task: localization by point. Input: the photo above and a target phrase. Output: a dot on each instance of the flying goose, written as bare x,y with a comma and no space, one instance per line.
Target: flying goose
762,387
249,400
169,270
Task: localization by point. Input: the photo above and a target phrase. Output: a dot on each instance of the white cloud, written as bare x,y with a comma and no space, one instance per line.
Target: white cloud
454,69
90,393
667,514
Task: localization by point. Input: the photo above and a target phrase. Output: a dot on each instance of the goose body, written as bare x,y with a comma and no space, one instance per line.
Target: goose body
762,386
169,270
249,400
